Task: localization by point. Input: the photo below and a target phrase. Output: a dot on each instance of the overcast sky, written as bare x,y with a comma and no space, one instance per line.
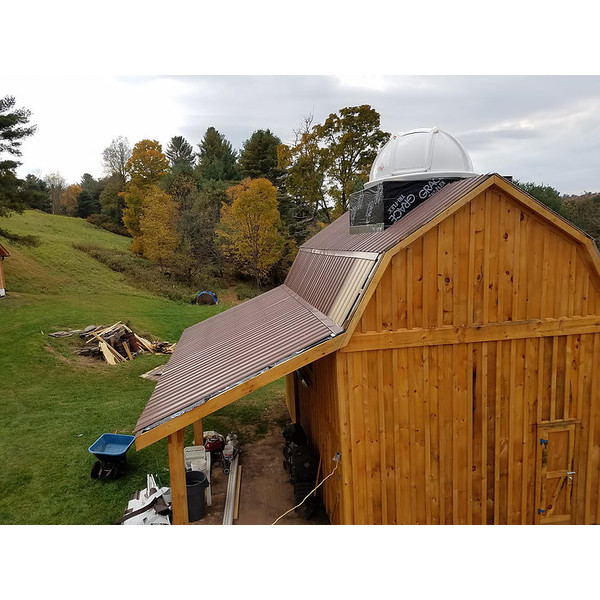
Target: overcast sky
535,128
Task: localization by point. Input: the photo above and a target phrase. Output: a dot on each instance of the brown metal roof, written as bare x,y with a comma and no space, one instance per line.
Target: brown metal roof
234,346
337,236
321,291
327,280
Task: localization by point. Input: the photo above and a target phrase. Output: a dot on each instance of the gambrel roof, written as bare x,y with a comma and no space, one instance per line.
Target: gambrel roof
313,314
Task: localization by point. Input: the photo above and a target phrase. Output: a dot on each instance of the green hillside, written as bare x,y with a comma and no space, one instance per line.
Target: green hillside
55,403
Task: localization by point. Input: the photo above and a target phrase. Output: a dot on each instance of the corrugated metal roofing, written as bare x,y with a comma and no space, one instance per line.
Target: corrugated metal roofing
330,282
233,346
337,236
323,286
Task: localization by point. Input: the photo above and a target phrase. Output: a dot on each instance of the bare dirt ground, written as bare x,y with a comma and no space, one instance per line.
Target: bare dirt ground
266,491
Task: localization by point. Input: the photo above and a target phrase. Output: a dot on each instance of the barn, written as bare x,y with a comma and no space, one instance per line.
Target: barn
443,337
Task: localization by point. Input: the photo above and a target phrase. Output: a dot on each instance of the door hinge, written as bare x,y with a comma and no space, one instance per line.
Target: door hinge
543,442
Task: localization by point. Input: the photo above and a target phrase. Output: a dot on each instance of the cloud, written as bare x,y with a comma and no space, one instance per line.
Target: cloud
541,128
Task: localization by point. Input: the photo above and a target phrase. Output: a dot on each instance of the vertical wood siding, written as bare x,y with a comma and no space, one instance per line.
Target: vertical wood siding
450,433
318,413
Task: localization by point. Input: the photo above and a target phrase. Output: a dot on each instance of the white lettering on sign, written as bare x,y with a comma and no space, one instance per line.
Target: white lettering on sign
402,204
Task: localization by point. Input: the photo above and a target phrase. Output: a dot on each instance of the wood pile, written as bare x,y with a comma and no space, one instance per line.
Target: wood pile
116,343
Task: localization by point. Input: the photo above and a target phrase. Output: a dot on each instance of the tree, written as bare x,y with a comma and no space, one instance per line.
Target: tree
34,193
158,227
349,140
259,157
115,158
111,198
544,193
216,159
86,205
584,211
180,153
146,167
56,186
249,227
304,180
147,164
69,200
13,130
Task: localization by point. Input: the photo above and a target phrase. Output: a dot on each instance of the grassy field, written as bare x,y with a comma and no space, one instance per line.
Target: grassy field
55,404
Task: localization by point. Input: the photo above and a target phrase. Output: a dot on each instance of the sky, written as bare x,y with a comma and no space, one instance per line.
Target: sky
537,128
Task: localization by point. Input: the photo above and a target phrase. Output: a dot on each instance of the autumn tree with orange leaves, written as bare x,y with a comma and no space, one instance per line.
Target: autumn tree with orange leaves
146,167
68,200
250,227
158,227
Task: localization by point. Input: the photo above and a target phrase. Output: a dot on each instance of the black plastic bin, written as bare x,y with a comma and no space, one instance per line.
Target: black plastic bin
196,483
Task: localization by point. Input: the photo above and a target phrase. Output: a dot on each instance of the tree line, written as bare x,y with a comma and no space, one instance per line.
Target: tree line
211,209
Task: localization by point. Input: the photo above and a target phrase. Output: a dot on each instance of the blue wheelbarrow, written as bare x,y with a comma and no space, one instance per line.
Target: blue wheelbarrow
110,449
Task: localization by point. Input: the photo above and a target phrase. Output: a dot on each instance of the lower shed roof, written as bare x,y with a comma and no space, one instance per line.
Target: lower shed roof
233,346
316,303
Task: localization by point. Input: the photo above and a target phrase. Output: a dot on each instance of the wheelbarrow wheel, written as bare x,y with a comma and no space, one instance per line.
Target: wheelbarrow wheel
96,467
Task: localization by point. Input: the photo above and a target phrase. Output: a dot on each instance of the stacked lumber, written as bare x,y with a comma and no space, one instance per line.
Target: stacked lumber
116,343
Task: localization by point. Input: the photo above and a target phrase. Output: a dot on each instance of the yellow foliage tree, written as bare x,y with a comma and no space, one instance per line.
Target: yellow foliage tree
146,167
249,227
68,200
158,227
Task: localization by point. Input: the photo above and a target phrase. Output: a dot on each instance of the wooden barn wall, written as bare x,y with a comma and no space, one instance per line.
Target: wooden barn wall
492,261
450,434
448,431
317,411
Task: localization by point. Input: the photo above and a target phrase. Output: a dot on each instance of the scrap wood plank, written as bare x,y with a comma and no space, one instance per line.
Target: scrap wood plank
108,357
144,343
110,348
127,350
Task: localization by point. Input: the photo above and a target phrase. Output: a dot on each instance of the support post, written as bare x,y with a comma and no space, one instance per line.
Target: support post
198,433
177,471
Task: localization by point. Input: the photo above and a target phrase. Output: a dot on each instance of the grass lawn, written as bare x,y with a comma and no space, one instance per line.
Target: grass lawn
55,404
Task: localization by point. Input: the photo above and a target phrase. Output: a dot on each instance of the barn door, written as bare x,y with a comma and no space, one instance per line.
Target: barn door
556,477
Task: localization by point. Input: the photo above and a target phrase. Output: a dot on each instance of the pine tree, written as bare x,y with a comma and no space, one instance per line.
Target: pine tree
13,130
259,157
180,153
216,159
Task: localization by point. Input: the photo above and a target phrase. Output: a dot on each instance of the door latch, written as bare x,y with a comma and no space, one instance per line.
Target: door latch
543,442
541,511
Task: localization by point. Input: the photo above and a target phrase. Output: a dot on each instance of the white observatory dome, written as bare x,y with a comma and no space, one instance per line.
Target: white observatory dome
421,154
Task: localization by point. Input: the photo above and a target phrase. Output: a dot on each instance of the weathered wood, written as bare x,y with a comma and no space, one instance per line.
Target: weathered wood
177,476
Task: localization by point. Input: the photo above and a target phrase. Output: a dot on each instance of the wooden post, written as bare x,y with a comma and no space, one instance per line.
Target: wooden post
198,433
2,284
177,471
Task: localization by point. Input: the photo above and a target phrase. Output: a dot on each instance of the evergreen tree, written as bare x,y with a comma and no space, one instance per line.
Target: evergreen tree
86,205
216,159
13,130
259,157
180,153
34,193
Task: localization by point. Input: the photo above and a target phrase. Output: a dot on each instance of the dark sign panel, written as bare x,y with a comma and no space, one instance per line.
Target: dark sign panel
382,205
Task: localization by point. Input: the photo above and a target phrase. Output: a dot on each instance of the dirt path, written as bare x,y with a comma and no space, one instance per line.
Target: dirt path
266,491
